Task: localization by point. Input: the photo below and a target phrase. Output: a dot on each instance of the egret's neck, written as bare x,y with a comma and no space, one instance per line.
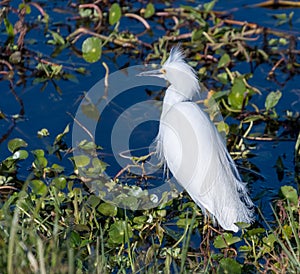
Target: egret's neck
171,98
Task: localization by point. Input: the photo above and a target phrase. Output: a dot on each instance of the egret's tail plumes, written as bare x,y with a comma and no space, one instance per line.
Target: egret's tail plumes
227,199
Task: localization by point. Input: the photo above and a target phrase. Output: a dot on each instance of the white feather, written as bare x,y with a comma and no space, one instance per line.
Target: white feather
194,152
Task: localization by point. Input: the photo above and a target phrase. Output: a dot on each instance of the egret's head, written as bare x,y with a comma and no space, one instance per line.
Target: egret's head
176,71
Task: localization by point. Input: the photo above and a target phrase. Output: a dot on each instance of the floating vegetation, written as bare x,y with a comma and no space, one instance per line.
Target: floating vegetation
50,219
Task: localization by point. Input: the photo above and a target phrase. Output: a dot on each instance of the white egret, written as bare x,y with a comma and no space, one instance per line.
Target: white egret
193,150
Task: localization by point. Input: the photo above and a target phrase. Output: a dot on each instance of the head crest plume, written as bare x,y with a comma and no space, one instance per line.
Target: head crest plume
181,75
176,55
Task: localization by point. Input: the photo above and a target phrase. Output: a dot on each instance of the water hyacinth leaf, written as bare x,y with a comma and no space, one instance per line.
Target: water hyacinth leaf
88,146
20,155
268,243
108,209
290,194
115,14
272,99
117,232
81,160
60,182
91,111
225,240
91,49
38,187
57,168
149,11
15,144
228,265
236,96
224,61
93,201
40,162
99,165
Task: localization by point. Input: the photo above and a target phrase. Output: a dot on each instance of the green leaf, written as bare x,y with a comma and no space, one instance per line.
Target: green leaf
268,243
27,8
57,168
99,165
223,77
61,135
91,49
230,266
108,209
20,155
280,16
43,133
9,28
93,201
149,11
236,96
38,187
117,232
15,144
289,193
115,14
57,38
60,182
225,240
210,5
224,61
272,99
75,239
81,160
91,111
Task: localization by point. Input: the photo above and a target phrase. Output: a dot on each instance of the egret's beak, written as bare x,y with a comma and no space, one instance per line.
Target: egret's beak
156,73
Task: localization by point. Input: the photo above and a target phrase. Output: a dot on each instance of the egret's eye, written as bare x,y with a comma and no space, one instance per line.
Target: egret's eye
163,71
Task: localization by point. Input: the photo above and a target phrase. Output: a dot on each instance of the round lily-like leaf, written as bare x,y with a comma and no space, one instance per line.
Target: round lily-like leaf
81,160
38,187
290,194
108,209
236,96
117,232
60,182
92,49
228,265
115,13
15,144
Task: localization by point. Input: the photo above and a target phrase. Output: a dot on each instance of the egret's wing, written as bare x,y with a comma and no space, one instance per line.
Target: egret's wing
198,159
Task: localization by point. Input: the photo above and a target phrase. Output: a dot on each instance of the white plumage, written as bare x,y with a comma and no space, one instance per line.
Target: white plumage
193,150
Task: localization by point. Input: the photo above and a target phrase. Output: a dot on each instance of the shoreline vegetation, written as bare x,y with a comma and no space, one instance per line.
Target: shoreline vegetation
51,222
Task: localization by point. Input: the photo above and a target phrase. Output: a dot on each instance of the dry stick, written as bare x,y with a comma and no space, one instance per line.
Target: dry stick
139,18
116,41
275,67
38,7
82,126
282,3
7,64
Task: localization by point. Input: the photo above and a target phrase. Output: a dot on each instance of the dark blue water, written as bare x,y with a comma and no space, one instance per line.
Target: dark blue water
49,109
